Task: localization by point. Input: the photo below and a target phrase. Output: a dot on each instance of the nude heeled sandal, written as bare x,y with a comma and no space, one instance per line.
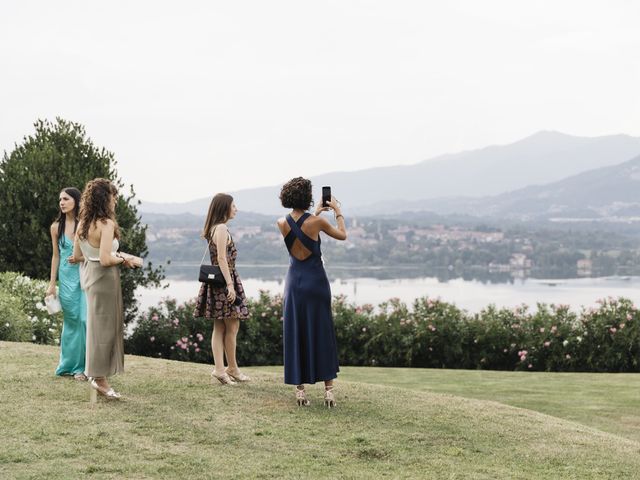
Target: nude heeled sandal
224,379
301,398
329,400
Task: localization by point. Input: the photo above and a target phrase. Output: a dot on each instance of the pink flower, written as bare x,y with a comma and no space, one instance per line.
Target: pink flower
183,346
154,317
195,344
263,314
184,339
629,316
613,329
529,366
542,330
622,326
175,321
197,350
547,343
199,337
567,356
152,339
554,329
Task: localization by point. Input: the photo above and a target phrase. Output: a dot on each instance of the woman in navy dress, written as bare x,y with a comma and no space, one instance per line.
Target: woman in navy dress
310,350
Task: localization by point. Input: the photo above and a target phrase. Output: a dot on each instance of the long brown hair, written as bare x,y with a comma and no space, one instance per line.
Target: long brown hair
95,205
219,210
62,217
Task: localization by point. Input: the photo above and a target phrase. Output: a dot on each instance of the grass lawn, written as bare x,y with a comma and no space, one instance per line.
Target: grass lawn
608,402
173,423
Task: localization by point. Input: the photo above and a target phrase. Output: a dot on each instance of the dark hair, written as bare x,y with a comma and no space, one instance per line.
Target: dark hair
296,193
219,212
62,217
96,205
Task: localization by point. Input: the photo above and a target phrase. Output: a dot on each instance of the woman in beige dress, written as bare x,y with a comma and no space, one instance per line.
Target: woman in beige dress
96,242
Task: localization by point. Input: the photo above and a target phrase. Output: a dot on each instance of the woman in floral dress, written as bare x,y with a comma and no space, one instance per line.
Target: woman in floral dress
225,305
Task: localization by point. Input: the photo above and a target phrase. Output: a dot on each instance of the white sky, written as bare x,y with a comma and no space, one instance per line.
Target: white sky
200,97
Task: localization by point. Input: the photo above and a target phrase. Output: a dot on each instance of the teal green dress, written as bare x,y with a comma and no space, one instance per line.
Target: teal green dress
74,307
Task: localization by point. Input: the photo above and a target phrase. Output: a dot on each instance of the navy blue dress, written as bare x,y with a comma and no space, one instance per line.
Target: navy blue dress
310,351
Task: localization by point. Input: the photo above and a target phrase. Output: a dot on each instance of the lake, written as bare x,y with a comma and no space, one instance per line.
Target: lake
469,294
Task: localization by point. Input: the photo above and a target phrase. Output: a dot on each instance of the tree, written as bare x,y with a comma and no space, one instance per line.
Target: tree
61,155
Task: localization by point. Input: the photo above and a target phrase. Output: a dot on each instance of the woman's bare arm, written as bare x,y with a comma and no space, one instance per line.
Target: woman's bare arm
77,252
107,232
220,237
340,231
55,260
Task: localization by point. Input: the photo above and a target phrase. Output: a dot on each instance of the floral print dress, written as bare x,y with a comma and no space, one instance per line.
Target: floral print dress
212,301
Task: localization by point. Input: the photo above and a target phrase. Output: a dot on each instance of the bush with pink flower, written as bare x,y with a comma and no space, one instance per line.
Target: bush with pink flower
431,333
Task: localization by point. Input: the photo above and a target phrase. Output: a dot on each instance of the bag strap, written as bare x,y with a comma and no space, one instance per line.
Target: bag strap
206,249
204,254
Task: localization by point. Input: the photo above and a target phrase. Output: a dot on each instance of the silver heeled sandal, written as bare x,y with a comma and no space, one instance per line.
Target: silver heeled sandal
110,394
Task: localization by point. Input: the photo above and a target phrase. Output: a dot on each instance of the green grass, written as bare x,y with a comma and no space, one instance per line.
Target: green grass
173,423
608,402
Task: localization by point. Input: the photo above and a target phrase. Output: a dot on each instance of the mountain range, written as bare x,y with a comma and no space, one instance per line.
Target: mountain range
546,174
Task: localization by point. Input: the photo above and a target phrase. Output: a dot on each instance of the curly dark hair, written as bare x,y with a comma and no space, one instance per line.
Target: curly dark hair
296,193
95,205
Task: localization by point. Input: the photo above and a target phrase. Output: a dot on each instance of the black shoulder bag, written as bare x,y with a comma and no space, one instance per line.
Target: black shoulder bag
211,274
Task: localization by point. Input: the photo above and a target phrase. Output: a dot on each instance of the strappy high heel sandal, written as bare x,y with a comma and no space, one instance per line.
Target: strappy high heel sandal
301,397
110,394
329,400
224,379
238,377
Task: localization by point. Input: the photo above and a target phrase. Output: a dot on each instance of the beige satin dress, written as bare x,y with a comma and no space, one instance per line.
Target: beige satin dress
105,313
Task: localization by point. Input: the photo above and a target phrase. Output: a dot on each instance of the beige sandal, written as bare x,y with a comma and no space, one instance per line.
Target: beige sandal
239,377
329,400
224,379
301,397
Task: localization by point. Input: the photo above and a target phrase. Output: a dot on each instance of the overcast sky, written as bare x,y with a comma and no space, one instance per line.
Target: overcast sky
199,97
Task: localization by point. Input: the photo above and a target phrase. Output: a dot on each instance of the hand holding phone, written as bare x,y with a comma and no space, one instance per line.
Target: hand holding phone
326,195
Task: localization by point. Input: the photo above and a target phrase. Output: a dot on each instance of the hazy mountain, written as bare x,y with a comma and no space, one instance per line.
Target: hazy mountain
603,192
539,159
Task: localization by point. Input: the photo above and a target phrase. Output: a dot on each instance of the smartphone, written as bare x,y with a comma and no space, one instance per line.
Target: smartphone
326,196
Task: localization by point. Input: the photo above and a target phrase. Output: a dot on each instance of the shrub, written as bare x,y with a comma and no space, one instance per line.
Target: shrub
431,334
14,323
27,296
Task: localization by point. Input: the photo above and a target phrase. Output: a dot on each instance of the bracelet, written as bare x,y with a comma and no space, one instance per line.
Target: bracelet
338,216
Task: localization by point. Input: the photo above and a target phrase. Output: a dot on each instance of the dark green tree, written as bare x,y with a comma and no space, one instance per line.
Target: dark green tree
59,154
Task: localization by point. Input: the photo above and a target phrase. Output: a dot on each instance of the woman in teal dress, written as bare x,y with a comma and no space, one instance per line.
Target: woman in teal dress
71,296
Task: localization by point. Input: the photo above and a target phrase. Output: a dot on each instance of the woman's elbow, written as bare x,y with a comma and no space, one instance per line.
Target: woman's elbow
343,237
